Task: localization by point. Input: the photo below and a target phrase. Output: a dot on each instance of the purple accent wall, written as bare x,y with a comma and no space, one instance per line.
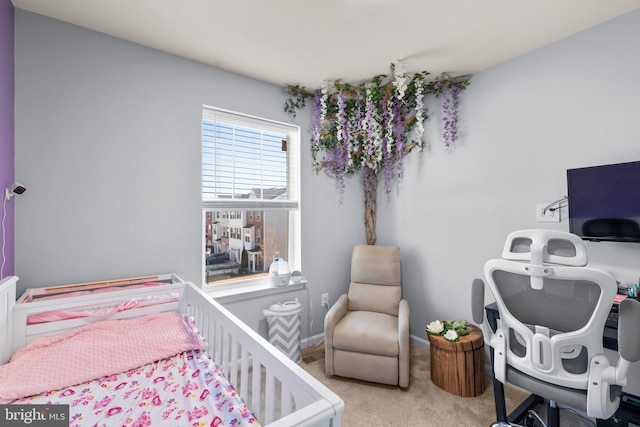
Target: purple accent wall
6,127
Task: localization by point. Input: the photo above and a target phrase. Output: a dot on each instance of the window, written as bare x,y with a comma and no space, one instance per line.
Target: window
250,182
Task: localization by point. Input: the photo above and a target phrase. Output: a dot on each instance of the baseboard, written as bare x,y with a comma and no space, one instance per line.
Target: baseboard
420,342
311,341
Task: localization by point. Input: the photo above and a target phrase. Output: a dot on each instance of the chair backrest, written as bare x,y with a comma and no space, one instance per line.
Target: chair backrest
552,307
375,279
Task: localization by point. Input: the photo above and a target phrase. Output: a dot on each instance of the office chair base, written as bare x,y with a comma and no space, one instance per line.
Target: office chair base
529,421
532,417
506,424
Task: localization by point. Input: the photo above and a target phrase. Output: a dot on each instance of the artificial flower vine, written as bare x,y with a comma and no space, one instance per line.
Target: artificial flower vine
373,125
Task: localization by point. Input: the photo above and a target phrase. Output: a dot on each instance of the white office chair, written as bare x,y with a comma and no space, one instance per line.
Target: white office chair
552,313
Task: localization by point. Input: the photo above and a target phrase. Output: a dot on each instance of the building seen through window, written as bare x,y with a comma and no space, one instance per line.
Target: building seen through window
244,254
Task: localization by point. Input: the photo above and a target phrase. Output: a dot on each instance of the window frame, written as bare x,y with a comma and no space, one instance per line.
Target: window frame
291,205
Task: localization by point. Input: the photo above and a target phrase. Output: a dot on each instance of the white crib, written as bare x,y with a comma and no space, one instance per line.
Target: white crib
277,390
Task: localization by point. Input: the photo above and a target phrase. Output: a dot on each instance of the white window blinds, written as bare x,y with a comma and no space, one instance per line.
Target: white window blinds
247,162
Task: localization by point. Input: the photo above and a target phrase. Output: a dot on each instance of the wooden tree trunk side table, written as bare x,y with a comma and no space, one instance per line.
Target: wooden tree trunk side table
458,367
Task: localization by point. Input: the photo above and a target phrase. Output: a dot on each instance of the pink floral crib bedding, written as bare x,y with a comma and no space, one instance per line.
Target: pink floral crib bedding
184,390
149,370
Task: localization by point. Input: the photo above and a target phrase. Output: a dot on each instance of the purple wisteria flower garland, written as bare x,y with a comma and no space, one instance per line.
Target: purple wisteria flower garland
450,104
370,125
373,125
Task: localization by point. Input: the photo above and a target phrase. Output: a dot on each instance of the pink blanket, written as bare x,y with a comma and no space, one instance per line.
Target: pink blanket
100,310
93,351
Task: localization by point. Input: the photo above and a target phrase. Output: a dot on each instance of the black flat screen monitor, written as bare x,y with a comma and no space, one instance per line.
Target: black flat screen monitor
604,202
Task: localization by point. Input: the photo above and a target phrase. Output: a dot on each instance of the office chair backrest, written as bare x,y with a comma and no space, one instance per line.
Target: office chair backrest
375,279
552,308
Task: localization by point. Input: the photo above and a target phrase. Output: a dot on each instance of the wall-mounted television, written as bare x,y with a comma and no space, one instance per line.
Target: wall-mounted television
604,202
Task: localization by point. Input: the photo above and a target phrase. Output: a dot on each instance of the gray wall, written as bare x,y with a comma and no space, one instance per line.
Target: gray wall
108,142
571,104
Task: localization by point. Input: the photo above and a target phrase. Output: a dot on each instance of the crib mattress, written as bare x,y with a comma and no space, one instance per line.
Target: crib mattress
184,390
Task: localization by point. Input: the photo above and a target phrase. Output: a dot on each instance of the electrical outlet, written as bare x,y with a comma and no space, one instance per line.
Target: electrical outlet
552,214
324,300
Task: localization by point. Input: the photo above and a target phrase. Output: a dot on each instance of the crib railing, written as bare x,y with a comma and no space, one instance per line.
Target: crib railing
277,390
7,300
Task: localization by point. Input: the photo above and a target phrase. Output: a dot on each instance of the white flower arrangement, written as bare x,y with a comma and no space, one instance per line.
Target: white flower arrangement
435,328
450,330
451,335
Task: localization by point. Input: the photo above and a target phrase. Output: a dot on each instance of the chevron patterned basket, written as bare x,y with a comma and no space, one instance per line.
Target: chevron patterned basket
284,328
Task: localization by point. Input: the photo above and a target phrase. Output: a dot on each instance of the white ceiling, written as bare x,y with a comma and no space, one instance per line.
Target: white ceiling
307,41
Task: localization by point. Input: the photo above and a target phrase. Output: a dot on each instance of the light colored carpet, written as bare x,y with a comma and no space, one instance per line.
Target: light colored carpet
421,404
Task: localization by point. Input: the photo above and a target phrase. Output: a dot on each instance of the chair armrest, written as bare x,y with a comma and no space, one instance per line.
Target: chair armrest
628,341
334,315
403,344
477,301
628,330
601,404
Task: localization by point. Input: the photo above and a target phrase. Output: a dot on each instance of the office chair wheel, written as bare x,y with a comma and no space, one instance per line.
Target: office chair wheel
533,420
506,424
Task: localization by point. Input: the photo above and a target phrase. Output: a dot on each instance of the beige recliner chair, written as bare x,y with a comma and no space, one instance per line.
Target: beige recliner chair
367,330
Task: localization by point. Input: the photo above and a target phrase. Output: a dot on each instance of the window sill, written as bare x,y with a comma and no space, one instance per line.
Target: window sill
228,294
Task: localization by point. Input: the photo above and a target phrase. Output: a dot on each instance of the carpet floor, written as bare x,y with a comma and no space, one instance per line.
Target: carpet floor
421,404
